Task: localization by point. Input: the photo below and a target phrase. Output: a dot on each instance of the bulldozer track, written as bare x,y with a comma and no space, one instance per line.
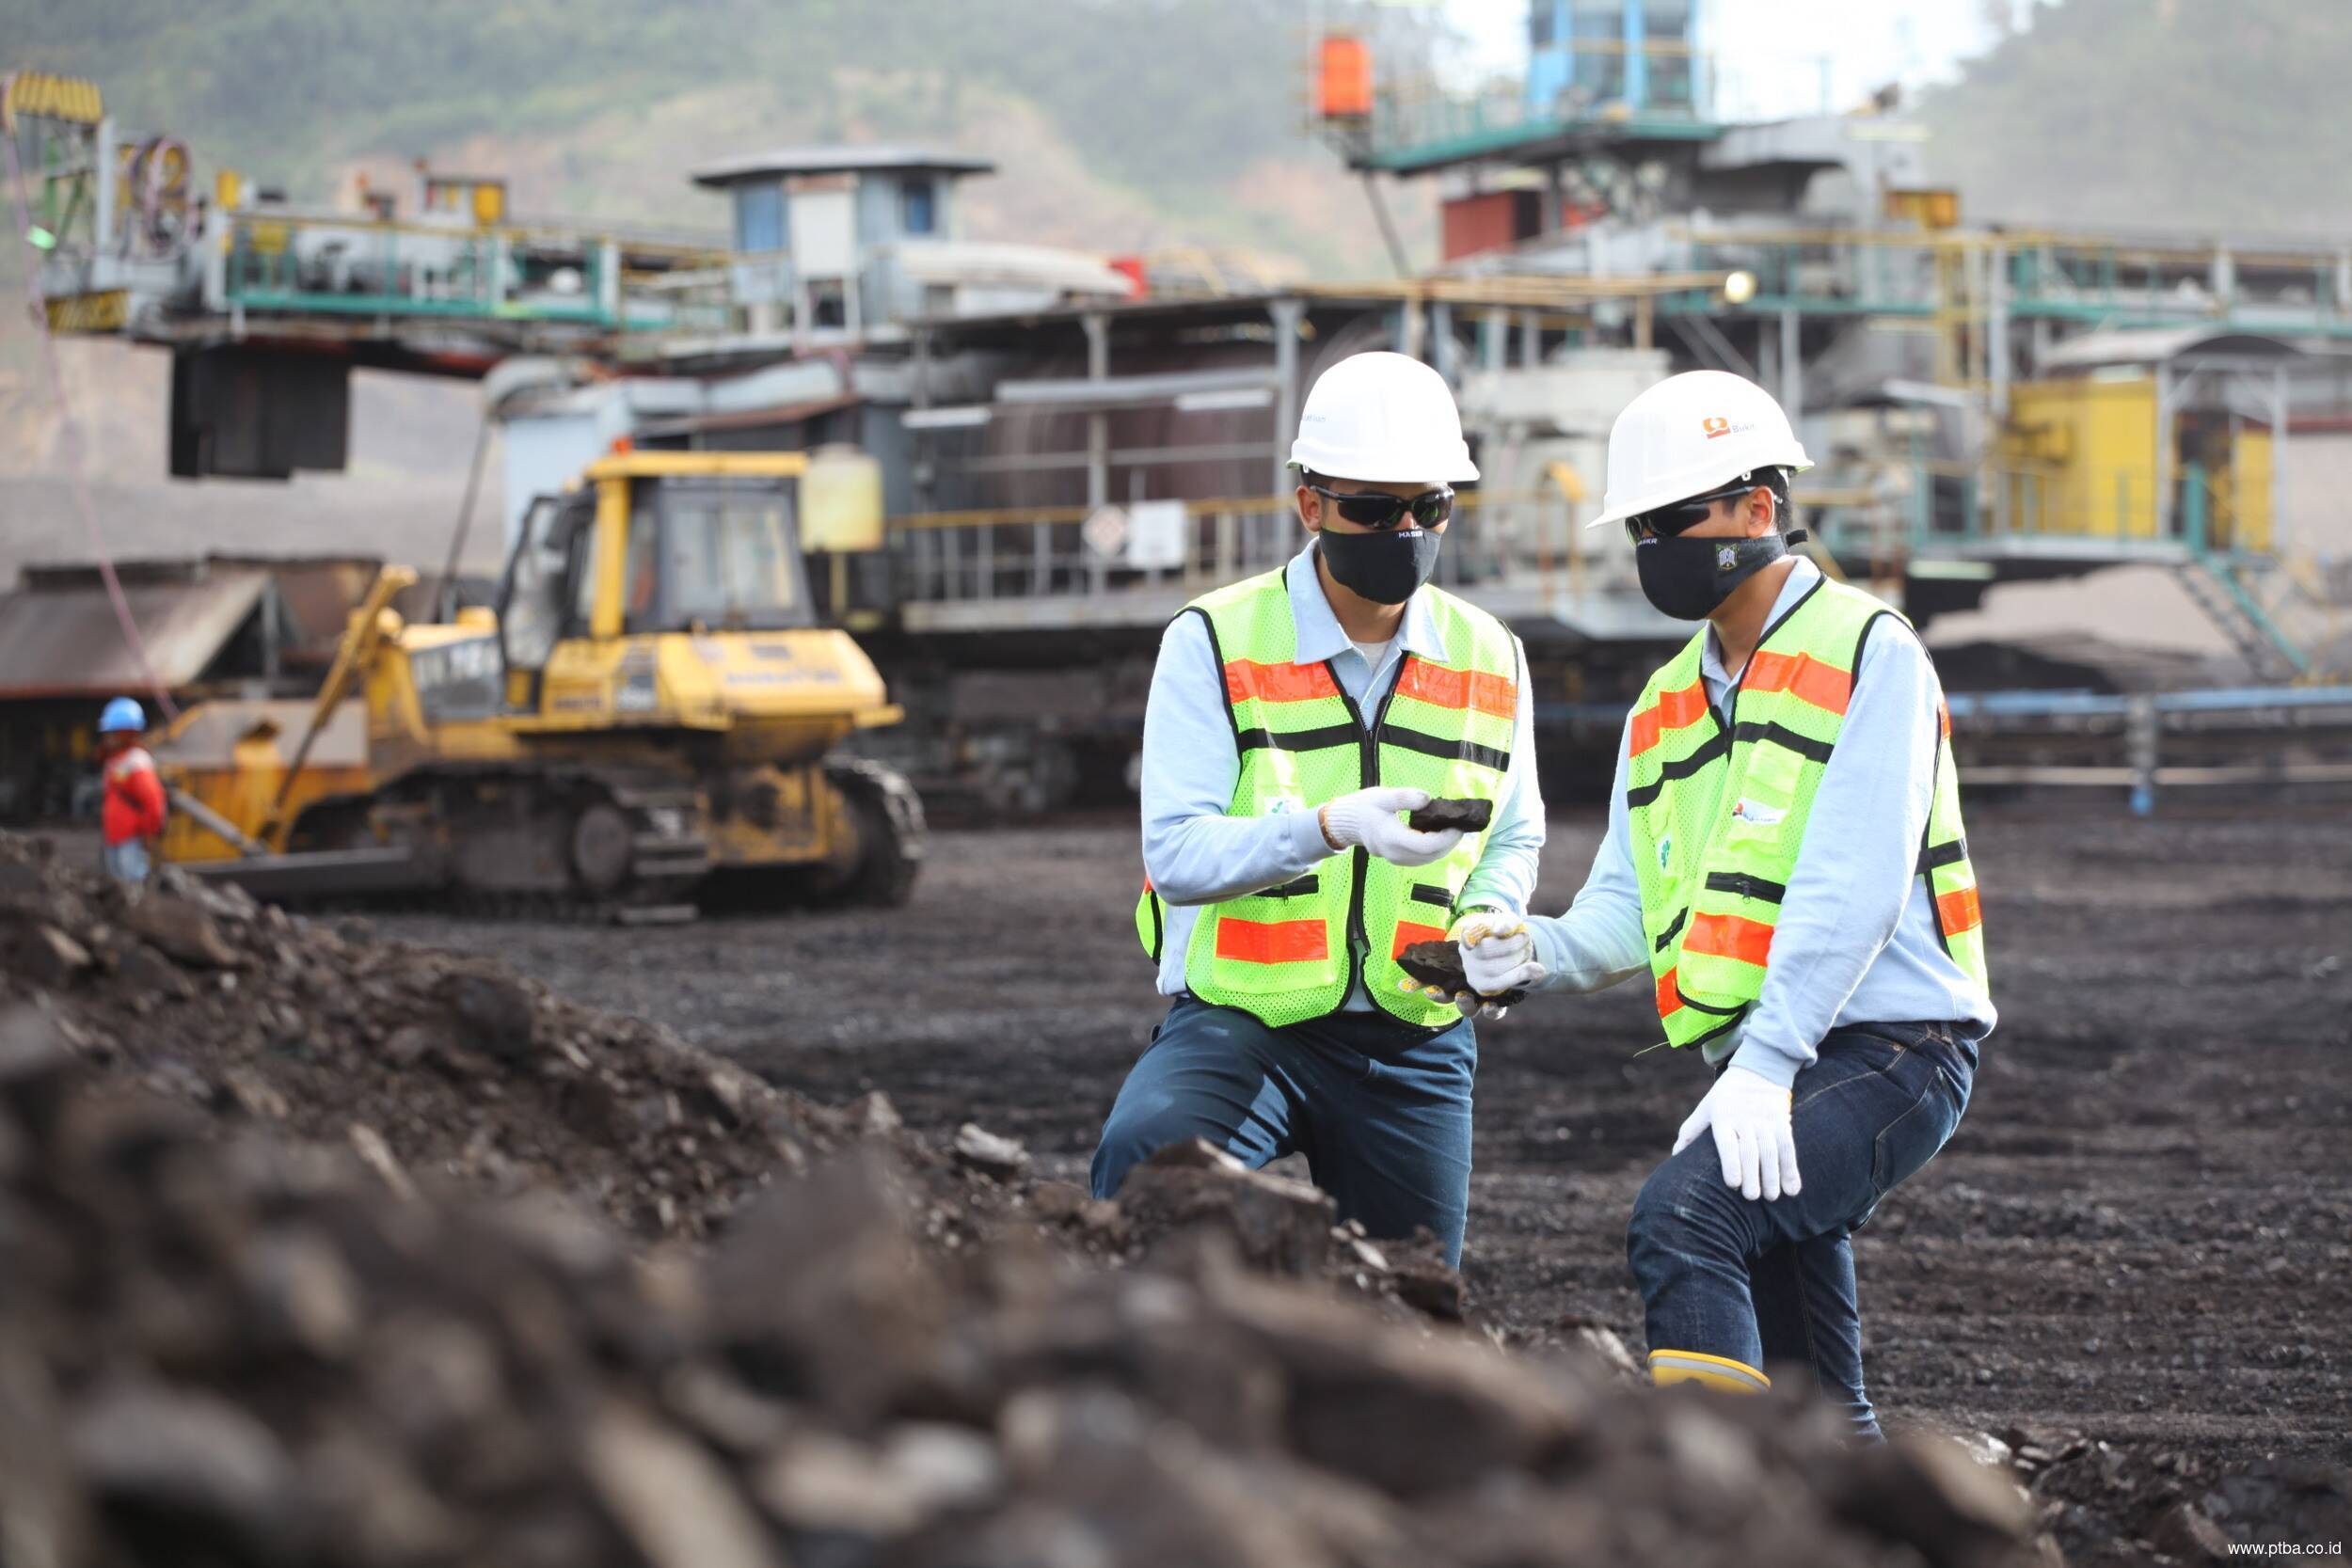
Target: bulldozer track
886,806
652,824
519,909
648,857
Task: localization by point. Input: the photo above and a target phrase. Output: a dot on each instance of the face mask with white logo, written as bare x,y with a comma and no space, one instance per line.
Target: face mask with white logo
1689,579
1385,567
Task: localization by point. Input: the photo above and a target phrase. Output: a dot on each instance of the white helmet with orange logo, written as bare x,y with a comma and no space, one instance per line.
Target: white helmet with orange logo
1690,435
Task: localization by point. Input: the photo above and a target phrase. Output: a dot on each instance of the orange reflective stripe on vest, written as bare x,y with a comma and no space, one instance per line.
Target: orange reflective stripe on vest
1730,936
1497,696
1408,933
1272,941
1674,710
1802,676
1669,998
1959,911
1246,678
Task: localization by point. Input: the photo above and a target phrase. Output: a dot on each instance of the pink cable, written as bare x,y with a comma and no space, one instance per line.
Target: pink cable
72,430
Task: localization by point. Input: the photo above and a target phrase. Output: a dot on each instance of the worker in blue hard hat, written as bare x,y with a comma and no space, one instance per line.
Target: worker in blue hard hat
132,819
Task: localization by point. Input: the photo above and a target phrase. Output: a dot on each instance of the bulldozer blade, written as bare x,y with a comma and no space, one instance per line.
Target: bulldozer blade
655,914
321,872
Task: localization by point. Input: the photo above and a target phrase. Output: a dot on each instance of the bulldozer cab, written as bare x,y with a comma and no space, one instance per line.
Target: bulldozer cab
546,575
653,543
712,554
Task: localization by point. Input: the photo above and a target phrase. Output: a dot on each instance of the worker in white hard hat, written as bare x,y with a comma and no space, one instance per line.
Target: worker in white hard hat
1295,718
1785,866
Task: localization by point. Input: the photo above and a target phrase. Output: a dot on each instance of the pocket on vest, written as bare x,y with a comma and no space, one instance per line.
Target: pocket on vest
1263,947
1761,814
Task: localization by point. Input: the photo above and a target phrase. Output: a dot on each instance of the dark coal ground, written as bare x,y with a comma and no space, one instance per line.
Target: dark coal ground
2142,1231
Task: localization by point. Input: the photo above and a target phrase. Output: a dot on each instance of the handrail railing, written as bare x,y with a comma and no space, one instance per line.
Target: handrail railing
533,232
1884,269
1042,552
295,261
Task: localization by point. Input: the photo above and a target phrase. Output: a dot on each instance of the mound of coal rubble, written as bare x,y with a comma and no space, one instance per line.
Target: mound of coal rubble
437,1067
250,1351
317,1249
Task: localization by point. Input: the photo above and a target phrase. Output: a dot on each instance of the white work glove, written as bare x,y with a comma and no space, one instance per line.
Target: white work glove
1497,955
1753,1137
1369,817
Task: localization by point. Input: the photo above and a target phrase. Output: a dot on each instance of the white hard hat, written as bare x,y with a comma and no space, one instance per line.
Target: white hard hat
1691,434
1384,418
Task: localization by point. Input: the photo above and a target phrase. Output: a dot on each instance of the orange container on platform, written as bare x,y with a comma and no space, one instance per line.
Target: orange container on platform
1343,80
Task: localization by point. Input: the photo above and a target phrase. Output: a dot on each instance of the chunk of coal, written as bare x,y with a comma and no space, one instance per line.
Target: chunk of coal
1274,1224
1440,963
1472,817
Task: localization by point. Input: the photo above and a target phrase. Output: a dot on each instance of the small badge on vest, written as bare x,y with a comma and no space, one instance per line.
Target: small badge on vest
1756,814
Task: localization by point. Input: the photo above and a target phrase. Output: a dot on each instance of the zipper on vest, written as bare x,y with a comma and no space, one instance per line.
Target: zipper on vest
1367,774
1731,705
1363,943
1746,886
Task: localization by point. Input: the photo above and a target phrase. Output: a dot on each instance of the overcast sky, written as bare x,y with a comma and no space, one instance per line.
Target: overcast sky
1774,53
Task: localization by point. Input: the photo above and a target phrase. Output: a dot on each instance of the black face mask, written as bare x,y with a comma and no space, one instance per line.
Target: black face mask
1384,567
1687,578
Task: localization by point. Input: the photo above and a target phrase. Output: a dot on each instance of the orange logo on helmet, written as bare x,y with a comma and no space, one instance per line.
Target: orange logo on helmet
1716,426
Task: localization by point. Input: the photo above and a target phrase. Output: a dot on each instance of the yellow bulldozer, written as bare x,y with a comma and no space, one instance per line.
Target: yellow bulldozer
649,714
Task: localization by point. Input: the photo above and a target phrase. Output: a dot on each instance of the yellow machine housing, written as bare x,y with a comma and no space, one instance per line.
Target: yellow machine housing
2079,456
650,703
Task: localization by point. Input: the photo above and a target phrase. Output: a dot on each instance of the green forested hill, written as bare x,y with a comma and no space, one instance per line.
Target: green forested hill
2199,115
1158,87
1150,120
1169,99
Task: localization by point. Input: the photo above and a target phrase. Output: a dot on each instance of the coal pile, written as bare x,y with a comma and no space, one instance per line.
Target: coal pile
246,1352
437,1067
2101,1503
297,1266
428,1063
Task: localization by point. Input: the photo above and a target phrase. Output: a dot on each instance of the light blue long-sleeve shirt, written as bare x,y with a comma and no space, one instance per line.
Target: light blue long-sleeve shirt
1856,939
1197,853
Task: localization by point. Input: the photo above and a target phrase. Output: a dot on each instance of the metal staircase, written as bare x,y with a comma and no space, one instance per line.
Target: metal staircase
2225,590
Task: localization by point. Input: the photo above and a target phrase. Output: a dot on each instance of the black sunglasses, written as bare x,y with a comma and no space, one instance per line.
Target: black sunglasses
1667,521
1379,508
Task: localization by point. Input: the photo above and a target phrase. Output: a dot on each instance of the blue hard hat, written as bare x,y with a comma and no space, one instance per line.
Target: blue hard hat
123,713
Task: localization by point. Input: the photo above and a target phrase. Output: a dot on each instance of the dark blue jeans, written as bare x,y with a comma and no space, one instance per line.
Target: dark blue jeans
1763,1283
1381,1112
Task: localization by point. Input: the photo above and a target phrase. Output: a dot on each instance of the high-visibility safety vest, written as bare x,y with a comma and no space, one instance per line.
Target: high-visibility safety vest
1285,953
1718,813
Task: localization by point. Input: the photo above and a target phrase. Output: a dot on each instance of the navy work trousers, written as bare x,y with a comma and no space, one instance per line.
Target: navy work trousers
1765,1283
1381,1111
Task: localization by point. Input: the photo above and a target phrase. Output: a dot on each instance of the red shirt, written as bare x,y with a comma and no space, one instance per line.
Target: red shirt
135,797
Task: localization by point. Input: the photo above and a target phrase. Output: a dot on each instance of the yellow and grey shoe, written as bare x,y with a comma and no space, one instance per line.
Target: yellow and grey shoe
1713,1372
